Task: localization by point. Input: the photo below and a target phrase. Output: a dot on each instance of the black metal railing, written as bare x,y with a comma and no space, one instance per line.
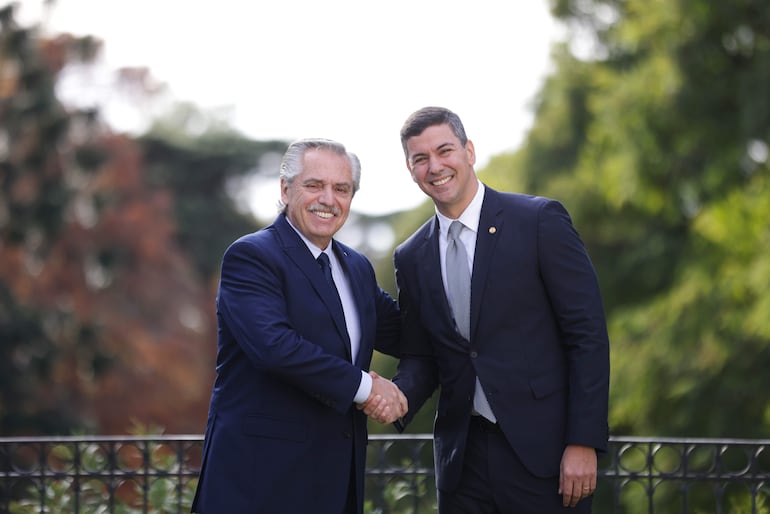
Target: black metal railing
158,474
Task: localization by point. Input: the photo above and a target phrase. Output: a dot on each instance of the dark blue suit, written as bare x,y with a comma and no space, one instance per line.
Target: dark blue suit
538,340
283,432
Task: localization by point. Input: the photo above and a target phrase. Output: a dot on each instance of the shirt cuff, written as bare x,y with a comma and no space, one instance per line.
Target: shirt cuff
364,388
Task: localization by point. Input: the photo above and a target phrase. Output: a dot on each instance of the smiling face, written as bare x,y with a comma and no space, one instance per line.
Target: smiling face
318,199
443,168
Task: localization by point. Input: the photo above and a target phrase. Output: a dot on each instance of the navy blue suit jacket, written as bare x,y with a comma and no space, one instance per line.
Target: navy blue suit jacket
282,429
538,340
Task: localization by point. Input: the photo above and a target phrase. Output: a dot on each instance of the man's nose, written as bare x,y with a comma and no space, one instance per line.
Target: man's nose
327,195
435,164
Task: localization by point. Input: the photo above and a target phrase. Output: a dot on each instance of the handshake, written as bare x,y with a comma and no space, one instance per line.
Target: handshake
386,402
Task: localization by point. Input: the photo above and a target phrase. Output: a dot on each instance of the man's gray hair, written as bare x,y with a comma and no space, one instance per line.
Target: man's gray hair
291,164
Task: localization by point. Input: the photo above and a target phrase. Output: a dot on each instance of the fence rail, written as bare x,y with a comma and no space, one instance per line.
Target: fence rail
158,474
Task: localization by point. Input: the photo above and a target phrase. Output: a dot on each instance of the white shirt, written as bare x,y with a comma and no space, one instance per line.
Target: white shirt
470,219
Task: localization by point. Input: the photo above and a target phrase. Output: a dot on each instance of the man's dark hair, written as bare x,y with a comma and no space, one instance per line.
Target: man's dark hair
428,117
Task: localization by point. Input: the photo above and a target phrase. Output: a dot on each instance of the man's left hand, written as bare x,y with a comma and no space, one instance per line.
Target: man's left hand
577,478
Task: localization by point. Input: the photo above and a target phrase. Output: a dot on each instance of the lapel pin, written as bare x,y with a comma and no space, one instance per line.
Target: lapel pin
492,230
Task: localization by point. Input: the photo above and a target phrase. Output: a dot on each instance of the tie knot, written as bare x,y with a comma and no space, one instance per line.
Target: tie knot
454,230
326,268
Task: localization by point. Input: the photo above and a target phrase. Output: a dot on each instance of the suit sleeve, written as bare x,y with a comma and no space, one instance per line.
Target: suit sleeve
573,290
387,339
417,375
253,305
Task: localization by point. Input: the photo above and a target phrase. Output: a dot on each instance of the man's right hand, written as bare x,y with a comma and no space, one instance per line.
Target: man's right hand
386,402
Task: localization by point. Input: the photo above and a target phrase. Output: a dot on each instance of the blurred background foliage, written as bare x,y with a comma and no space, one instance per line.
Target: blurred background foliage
653,129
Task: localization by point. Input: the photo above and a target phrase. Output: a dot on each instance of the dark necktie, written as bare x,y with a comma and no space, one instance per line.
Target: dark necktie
326,268
458,278
334,297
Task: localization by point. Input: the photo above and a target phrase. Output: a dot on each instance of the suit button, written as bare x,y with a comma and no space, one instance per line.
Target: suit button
474,355
347,435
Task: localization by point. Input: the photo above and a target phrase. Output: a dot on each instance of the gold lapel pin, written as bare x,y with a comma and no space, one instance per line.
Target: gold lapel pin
492,230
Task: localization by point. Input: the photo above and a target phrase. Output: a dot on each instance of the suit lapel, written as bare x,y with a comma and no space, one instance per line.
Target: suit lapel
301,255
488,234
430,270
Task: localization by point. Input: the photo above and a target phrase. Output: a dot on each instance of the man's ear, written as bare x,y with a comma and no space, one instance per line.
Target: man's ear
284,189
471,150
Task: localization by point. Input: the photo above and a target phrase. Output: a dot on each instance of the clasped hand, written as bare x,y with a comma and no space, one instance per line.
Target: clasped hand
386,402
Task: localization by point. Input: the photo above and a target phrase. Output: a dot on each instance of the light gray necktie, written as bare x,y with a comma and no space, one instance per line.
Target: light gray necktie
458,278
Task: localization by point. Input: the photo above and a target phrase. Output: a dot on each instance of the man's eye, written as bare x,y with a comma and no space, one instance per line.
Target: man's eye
343,190
313,186
419,160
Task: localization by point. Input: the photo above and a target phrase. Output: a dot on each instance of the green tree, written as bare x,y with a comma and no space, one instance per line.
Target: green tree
657,142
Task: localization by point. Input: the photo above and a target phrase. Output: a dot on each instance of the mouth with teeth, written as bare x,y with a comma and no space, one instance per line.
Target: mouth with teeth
325,214
441,181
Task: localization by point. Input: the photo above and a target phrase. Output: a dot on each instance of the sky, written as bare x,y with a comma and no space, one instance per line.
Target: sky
350,70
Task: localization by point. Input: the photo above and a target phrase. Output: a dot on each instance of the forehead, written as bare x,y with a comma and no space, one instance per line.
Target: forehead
323,164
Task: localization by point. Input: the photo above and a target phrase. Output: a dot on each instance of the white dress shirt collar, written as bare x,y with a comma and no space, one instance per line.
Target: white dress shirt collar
470,216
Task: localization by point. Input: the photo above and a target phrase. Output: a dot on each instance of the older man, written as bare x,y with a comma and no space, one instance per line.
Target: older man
299,316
